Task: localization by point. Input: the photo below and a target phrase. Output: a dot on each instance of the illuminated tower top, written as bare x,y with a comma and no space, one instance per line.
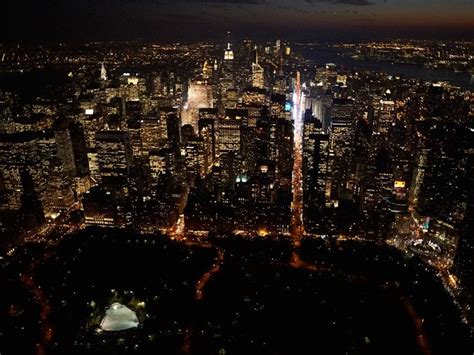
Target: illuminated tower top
103,72
204,70
228,53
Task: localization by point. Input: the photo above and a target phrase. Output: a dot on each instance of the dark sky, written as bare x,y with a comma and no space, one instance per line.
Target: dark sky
169,20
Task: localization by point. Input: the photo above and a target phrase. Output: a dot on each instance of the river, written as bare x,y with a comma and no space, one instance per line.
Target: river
322,55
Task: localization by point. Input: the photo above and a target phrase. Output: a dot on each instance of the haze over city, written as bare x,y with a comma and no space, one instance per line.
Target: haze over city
182,20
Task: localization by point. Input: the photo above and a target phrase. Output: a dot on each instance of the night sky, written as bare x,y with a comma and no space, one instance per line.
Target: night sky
164,20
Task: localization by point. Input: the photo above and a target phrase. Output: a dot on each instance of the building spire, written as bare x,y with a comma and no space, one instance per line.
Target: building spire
228,53
103,72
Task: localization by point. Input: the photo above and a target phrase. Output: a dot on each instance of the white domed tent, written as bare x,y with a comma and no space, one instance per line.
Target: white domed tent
118,317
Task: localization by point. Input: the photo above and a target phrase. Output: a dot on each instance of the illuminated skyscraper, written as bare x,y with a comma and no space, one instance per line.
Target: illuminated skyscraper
249,154
114,155
103,72
173,128
59,194
31,205
228,53
384,115
65,149
99,207
79,149
199,96
197,155
207,132
229,131
257,74
153,132
316,174
227,77
342,133
284,148
161,162
132,87
207,126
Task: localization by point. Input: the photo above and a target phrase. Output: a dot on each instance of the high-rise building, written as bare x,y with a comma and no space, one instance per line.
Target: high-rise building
153,132
229,131
316,175
384,115
248,149
284,148
342,134
464,261
103,72
278,107
197,155
228,53
132,87
207,128
173,128
59,191
441,172
65,150
208,134
78,140
31,205
114,155
161,162
227,77
187,132
99,207
321,105
199,96
257,74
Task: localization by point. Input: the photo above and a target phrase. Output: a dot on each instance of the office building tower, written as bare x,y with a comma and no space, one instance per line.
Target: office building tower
227,77
257,74
78,139
173,128
114,155
316,172
199,97
342,133
229,131
64,146
153,132
207,128
103,72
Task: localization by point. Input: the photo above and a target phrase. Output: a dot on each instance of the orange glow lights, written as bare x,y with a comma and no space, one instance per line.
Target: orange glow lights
399,184
262,232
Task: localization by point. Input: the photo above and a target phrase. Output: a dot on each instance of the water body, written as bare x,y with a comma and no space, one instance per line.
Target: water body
322,55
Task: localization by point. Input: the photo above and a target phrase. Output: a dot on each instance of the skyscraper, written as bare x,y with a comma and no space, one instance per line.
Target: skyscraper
103,72
114,155
257,74
227,77
342,133
229,131
207,127
316,175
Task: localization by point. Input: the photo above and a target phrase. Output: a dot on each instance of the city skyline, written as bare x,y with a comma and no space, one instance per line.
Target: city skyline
213,176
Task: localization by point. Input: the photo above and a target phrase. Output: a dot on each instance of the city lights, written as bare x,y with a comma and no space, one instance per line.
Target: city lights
217,194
